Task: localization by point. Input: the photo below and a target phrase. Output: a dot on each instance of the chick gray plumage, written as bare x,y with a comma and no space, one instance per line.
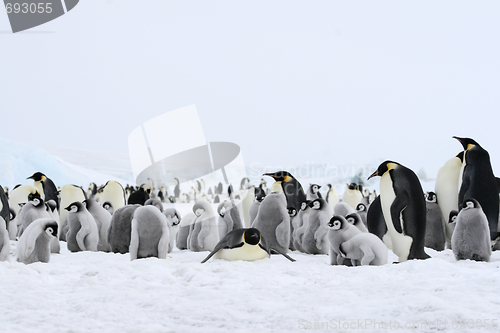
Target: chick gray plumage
33,210
356,221
435,233
273,221
154,202
204,234
364,249
83,234
174,219
343,209
103,220
300,223
315,240
339,232
181,240
471,237
34,243
150,235
229,218
120,229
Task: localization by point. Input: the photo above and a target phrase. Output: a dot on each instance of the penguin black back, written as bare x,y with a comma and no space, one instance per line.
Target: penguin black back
292,189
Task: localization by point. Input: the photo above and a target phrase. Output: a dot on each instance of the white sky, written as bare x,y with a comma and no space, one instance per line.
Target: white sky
290,82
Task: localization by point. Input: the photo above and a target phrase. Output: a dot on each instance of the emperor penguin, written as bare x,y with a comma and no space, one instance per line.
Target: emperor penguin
34,209
109,207
273,221
181,240
174,219
339,231
120,229
103,220
446,190
229,218
403,205
12,227
315,240
114,194
435,235
46,187
376,223
242,244
291,188
4,241
92,191
82,234
479,182
140,196
203,235
177,189
150,236
69,194
356,221
362,210
331,196
313,192
34,244
364,249
298,225
352,195
293,214
471,237
51,208
154,202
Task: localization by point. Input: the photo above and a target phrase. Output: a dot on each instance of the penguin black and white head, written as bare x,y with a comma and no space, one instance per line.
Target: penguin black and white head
304,204
35,199
198,209
452,219
315,204
467,143
292,212
431,197
361,207
470,203
75,207
37,177
221,210
337,222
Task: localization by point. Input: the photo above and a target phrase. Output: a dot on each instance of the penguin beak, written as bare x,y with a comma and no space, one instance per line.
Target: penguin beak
67,208
373,175
269,174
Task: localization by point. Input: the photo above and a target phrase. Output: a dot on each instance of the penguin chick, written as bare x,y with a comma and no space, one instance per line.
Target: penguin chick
82,234
339,232
150,235
355,220
364,249
34,244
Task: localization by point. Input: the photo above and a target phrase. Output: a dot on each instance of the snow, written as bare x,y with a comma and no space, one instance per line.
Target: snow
106,292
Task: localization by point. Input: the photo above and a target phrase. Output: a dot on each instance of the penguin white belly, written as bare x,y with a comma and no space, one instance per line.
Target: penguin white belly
246,252
400,243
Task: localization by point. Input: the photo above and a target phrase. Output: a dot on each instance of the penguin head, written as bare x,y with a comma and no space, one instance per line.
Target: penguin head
252,236
292,211
175,220
107,205
453,216
51,229
280,176
353,218
315,204
470,204
383,168
304,204
315,188
51,205
37,177
12,213
361,207
467,143
337,222
431,197
221,209
329,186
35,199
75,207
260,198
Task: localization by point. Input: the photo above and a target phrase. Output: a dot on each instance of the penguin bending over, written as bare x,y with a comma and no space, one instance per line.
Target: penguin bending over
229,218
291,188
181,240
150,235
34,244
154,202
120,229
403,205
203,235
471,238
242,244
364,249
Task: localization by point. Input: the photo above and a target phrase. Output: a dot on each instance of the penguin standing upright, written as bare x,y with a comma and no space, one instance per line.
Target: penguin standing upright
69,194
435,235
113,194
273,221
331,196
5,208
120,229
203,235
291,188
229,218
82,234
446,190
299,226
478,182
177,189
313,192
181,239
34,209
403,205
103,219
174,219
48,187
150,234
315,240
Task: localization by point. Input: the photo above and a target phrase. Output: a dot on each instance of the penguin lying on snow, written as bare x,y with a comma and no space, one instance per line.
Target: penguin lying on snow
242,244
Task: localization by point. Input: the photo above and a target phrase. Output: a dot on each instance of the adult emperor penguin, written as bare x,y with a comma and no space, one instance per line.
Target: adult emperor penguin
203,235
273,221
242,244
34,244
471,238
291,188
446,190
103,220
69,194
150,235
403,205
46,186
114,194
315,239
331,196
229,218
352,195
181,240
19,195
435,236
479,182
82,234
120,229
34,209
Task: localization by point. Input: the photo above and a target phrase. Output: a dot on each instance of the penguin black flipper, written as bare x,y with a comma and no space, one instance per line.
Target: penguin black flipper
498,184
375,219
50,191
274,251
397,208
230,241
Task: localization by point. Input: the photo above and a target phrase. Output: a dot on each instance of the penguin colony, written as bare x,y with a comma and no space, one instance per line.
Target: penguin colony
358,228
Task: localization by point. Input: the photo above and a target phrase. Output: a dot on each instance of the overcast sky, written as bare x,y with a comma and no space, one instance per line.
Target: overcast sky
290,82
